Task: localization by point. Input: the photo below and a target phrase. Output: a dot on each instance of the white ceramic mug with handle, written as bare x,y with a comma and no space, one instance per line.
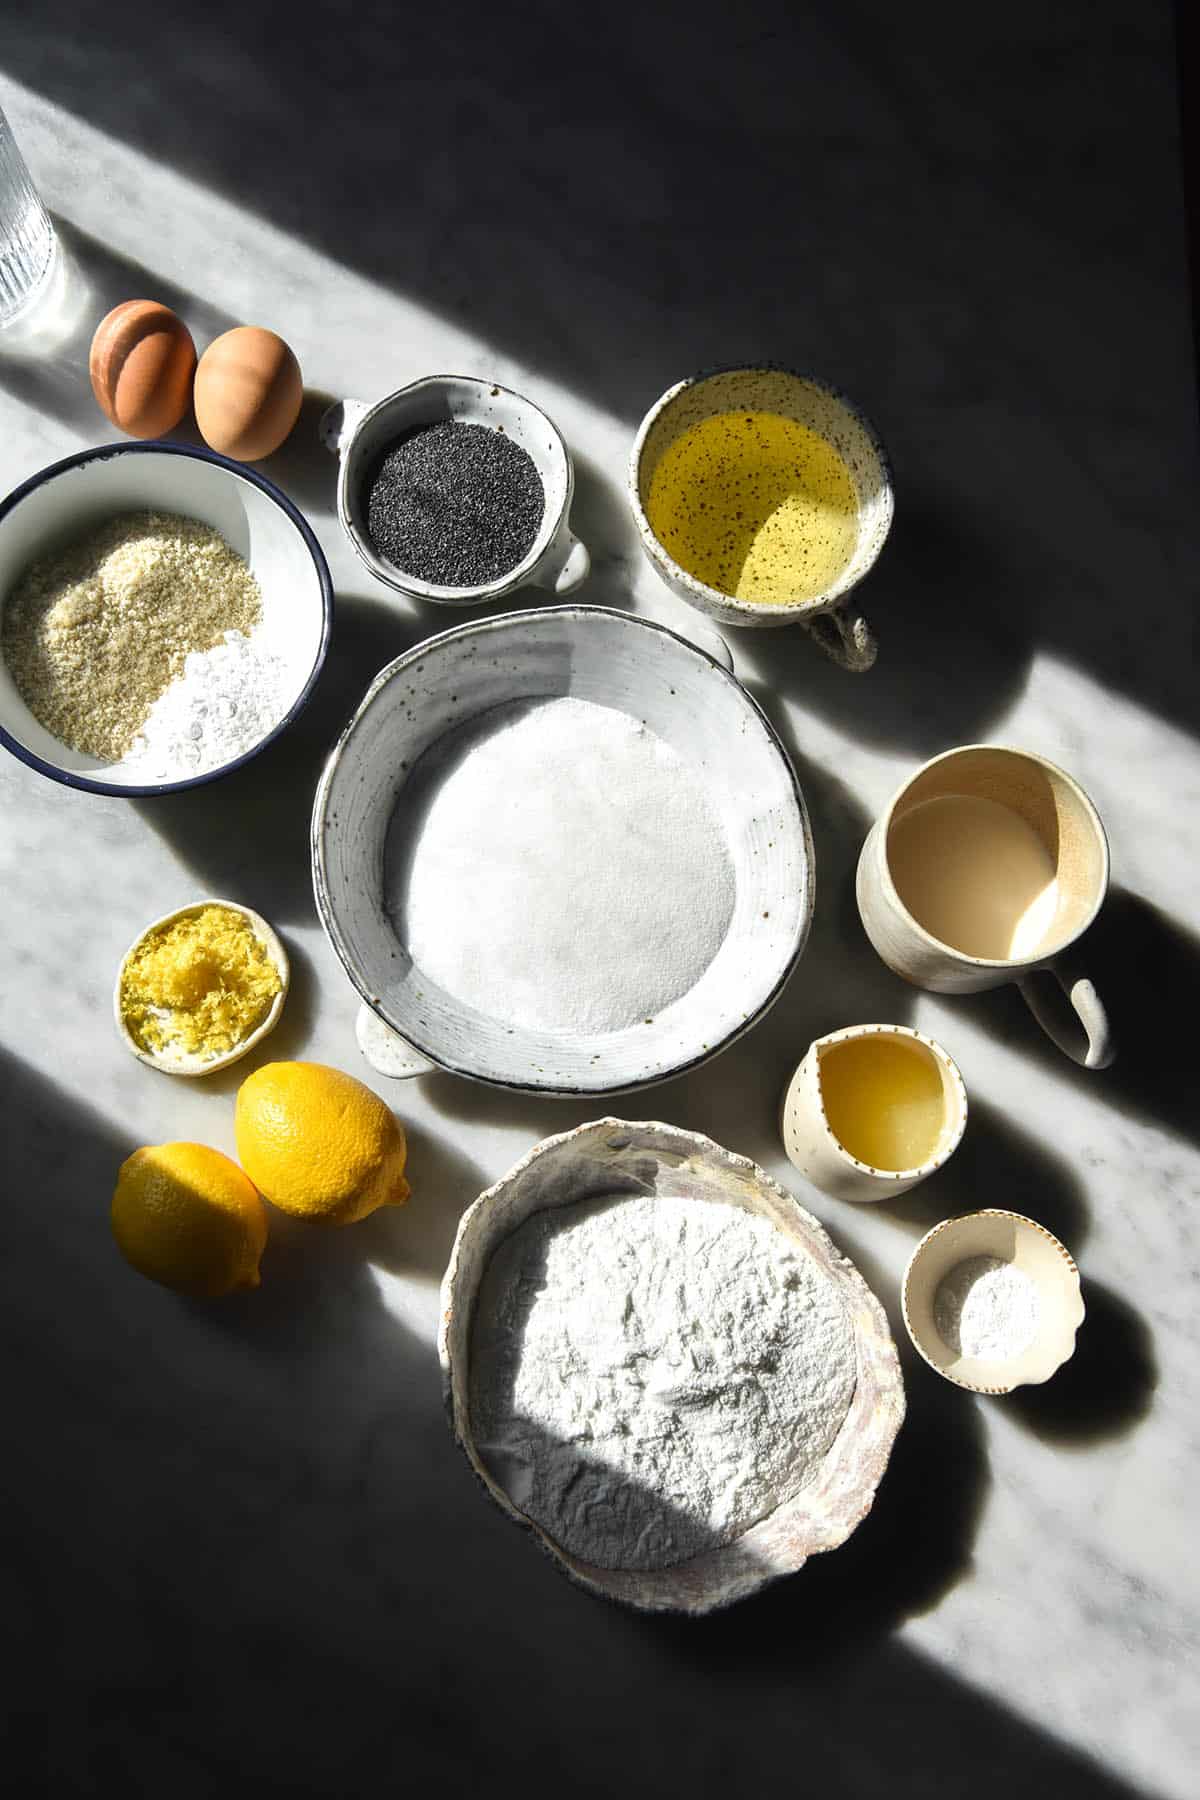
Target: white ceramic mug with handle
988,866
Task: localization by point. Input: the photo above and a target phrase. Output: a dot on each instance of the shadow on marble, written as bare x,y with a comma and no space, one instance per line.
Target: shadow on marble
59,383
302,1259
1106,1389
246,836
271,1491
999,1164
955,640
96,279
600,513
911,1549
416,1239
620,228
302,466
1146,967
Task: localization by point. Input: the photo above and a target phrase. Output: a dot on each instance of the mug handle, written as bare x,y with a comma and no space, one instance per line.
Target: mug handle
843,634
1095,1049
565,564
386,1051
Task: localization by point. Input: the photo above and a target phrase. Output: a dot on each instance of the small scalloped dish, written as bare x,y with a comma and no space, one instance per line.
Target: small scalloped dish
181,1062
1030,1248
613,1155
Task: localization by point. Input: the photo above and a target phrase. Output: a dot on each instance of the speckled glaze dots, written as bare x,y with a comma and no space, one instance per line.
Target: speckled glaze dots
756,505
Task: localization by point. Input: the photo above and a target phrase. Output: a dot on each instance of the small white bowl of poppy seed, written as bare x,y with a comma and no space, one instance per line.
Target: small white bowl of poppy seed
456,490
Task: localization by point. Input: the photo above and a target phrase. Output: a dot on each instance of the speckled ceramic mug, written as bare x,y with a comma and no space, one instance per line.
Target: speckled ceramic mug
831,617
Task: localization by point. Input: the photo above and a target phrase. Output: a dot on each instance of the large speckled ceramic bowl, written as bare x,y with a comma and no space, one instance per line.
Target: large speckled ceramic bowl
689,701
837,625
612,1156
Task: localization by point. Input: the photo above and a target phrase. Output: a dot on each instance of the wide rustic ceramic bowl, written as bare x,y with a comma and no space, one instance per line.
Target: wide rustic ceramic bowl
612,659
608,1157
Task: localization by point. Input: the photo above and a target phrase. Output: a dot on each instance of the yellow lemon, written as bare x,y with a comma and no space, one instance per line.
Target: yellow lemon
318,1143
186,1216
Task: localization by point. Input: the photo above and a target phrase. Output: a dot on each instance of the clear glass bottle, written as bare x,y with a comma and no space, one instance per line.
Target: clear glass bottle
26,235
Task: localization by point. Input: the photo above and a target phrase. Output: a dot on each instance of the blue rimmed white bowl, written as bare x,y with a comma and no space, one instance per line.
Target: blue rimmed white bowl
253,516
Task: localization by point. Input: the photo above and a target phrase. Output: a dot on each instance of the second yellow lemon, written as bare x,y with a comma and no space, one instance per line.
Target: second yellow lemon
186,1216
319,1144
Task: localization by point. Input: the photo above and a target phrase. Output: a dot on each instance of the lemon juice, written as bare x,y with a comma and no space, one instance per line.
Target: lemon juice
757,506
883,1100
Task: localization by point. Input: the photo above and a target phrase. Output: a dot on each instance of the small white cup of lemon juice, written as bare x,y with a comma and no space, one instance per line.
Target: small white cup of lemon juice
872,1110
762,497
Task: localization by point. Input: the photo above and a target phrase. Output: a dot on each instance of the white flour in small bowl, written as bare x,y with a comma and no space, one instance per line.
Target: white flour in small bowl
557,866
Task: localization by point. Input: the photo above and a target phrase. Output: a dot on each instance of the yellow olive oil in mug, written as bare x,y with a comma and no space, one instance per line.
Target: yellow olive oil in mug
883,1100
755,505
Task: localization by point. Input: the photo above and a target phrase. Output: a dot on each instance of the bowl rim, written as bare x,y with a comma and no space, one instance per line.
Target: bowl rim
580,1089
74,778
709,599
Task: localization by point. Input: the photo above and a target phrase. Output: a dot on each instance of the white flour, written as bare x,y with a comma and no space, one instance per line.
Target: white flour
650,1375
984,1307
559,868
225,701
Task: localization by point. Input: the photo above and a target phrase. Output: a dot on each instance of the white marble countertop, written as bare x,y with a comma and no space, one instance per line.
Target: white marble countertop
243,1549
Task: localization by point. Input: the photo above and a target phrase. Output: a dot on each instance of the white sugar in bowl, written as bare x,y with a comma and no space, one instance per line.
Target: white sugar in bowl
457,683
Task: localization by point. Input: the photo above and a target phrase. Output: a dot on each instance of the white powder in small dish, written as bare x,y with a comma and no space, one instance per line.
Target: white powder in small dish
558,867
987,1308
651,1374
225,702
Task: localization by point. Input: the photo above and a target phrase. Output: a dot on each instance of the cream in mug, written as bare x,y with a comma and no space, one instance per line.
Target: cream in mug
975,874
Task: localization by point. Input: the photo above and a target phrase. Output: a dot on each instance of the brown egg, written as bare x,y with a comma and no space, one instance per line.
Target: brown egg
141,363
248,393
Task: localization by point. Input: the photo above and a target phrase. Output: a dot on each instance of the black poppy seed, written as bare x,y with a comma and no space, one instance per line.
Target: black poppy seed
454,504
